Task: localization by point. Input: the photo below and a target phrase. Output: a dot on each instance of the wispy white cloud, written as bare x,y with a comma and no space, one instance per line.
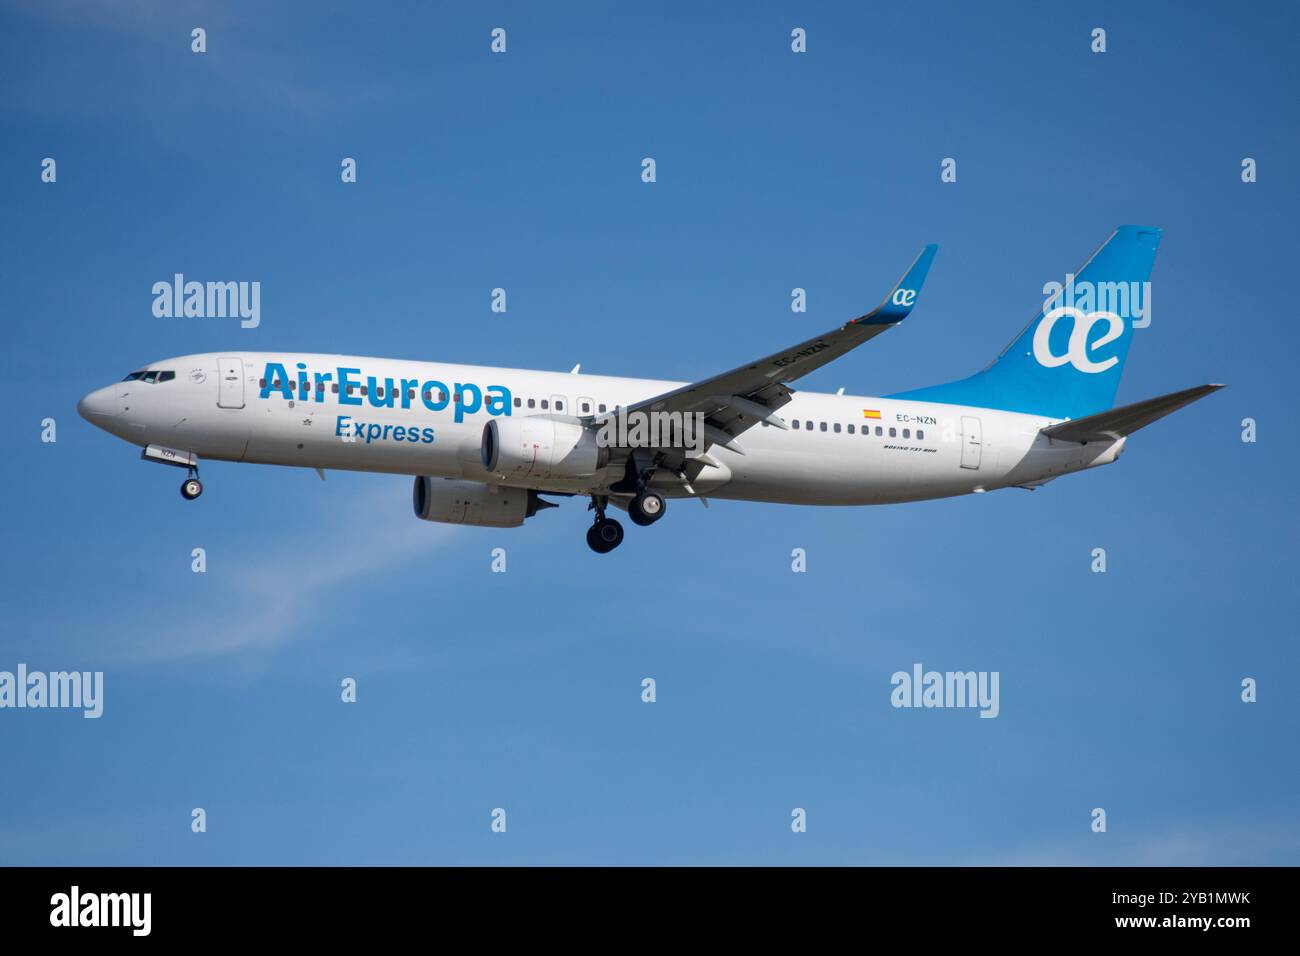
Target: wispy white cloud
274,597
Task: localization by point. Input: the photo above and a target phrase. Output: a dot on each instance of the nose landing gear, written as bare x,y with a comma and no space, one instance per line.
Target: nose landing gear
191,487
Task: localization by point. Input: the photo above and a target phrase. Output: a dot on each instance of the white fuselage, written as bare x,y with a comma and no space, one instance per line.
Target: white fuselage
220,406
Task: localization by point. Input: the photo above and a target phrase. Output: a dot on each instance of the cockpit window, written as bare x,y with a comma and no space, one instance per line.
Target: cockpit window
150,377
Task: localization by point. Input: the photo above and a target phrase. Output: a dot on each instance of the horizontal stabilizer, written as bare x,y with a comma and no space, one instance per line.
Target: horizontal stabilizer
1115,423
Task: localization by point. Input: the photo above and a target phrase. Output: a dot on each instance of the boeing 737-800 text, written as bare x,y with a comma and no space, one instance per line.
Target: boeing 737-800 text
484,444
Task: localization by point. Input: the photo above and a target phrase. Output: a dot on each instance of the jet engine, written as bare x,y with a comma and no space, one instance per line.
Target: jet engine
471,502
540,448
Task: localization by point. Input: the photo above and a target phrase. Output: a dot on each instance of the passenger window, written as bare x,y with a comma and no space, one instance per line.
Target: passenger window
532,403
851,430
379,391
410,394
807,424
837,428
365,389
602,409
586,407
545,403
519,403
893,433
352,389
335,388
907,433
795,423
261,383
559,406
823,426
920,435
878,431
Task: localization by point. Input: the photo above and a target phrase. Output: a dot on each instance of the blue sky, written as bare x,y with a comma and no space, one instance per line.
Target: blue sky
522,690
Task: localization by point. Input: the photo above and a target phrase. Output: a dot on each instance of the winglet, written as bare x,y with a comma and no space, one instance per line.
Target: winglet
902,297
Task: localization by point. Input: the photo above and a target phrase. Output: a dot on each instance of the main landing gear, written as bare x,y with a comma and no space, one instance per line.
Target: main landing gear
606,534
646,508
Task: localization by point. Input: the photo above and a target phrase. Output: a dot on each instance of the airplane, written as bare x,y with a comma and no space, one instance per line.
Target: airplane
485,444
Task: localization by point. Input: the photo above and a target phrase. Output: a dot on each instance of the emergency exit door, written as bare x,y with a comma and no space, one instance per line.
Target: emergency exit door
230,371
972,442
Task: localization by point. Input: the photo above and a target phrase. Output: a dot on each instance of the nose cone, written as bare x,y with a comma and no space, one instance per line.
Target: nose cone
101,405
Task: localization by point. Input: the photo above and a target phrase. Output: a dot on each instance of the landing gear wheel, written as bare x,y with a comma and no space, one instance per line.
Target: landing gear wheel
646,508
191,488
605,535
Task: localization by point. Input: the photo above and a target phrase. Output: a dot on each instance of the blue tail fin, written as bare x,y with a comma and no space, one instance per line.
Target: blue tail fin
1067,362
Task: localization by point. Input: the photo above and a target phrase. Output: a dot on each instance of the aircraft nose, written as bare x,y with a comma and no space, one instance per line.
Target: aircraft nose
101,403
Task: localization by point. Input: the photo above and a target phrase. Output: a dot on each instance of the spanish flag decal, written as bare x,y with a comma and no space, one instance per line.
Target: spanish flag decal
870,413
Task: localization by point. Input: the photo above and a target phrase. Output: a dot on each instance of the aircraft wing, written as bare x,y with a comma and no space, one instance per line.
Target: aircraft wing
737,400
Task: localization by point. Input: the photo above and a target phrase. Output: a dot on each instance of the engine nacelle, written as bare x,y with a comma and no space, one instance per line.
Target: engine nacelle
540,448
471,502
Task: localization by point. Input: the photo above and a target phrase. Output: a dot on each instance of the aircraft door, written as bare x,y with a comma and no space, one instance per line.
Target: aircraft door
230,371
971,442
